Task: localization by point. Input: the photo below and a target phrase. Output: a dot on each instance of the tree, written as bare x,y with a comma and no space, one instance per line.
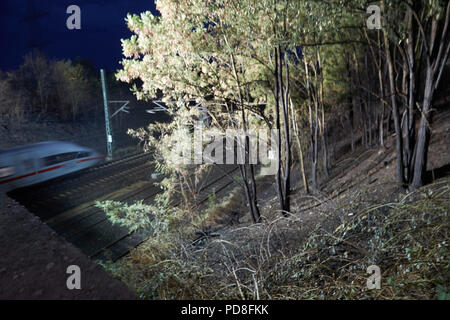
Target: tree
192,55
36,69
72,88
422,37
436,50
414,47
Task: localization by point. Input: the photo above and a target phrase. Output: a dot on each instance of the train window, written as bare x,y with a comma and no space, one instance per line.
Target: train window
6,172
58,158
83,154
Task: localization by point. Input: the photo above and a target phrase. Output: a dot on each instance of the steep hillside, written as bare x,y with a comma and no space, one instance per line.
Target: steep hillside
323,248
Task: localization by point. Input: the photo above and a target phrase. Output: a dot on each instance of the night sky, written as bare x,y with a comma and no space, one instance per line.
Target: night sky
102,27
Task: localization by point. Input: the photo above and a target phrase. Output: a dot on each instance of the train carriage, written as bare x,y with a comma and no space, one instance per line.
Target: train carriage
27,165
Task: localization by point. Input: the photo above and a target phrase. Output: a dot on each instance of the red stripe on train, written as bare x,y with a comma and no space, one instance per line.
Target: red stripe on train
89,159
32,174
51,169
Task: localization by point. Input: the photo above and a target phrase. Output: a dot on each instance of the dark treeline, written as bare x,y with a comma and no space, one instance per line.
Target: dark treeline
50,89
42,89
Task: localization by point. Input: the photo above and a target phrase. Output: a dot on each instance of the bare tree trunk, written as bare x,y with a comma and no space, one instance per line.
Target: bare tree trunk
287,140
302,166
278,125
398,133
250,190
381,92
436,60
351,107
363,107
320,96
297,136
354,108
315,146
313,129
411,132
381,126
405,119
423,137
368,104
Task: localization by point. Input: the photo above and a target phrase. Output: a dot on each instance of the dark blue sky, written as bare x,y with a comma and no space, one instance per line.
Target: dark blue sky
102,27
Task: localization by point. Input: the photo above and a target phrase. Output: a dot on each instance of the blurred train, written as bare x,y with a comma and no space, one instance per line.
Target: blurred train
27,165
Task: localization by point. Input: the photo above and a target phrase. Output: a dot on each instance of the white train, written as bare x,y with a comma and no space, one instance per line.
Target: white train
27,165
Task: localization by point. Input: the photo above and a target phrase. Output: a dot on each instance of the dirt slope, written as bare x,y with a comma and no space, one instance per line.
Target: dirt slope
34,261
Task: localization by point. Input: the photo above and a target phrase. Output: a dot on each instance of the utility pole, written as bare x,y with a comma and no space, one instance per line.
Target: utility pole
109,137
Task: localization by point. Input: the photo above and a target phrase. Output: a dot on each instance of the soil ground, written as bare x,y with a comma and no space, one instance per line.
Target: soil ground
34,261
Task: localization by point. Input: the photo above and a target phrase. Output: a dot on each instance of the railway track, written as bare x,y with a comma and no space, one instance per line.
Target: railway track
115,246
55,196
67,204
124,240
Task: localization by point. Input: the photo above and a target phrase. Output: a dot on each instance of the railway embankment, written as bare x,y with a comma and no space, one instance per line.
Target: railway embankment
35,262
